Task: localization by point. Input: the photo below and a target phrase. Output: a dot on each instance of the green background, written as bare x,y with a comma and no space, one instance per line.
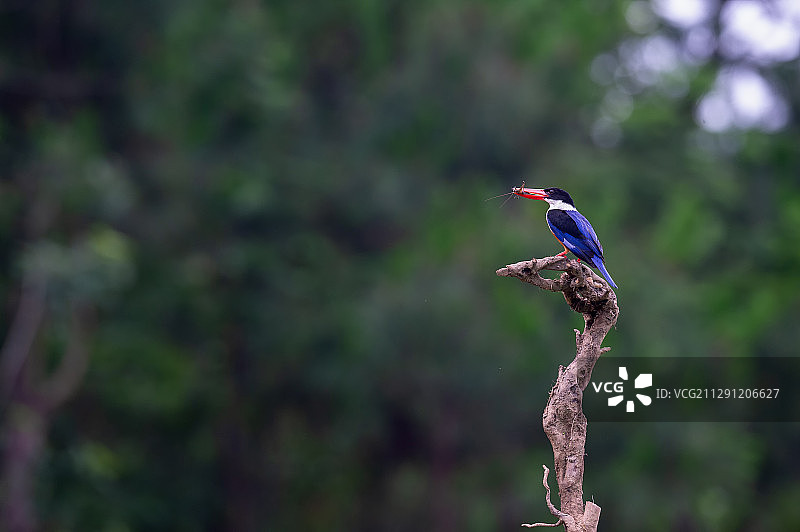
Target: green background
275,213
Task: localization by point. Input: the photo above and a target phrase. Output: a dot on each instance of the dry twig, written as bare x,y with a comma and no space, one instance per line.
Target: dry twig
553,509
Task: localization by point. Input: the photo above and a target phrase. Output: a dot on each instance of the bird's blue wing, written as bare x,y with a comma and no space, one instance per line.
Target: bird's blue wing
588,231
576,233
573,230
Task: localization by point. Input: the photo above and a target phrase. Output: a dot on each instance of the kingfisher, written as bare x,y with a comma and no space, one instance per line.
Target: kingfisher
570,227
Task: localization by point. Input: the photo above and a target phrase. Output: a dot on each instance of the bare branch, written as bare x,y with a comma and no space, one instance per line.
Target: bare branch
563,420
562,517
534,525
591,516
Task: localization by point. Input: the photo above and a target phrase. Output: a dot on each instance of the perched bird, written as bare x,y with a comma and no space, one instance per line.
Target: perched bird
570,227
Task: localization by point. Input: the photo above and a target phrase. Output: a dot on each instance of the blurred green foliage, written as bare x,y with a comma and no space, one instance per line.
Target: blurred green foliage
278,210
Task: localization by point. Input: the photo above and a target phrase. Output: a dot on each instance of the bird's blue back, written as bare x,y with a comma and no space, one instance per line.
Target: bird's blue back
576,233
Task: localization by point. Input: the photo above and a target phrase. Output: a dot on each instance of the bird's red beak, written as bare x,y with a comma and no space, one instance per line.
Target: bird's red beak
531,193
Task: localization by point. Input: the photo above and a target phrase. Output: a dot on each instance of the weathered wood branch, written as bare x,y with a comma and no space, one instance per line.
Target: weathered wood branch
553,509
564,423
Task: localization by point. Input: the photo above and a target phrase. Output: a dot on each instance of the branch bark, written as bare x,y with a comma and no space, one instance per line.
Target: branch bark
564,423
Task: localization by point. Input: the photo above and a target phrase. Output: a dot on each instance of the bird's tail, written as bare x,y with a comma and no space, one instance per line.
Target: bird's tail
602,267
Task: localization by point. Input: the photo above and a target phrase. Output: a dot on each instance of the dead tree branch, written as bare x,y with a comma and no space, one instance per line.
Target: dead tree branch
564,423
553,509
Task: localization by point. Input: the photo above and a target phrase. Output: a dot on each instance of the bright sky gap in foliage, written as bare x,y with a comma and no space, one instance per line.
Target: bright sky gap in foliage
752,34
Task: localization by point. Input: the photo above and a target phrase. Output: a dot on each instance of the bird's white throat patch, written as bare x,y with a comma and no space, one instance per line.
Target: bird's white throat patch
560,205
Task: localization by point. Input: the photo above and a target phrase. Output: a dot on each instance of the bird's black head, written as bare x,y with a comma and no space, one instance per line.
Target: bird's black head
558,194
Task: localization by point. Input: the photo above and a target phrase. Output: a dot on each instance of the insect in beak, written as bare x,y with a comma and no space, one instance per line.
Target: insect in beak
515,191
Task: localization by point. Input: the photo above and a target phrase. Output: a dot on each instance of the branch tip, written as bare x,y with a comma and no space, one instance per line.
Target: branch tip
591,516
534,525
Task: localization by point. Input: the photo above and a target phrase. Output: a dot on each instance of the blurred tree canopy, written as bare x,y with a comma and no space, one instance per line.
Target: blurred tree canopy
276,212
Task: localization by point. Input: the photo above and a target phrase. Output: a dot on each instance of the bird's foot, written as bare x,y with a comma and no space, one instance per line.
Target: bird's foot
563,253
